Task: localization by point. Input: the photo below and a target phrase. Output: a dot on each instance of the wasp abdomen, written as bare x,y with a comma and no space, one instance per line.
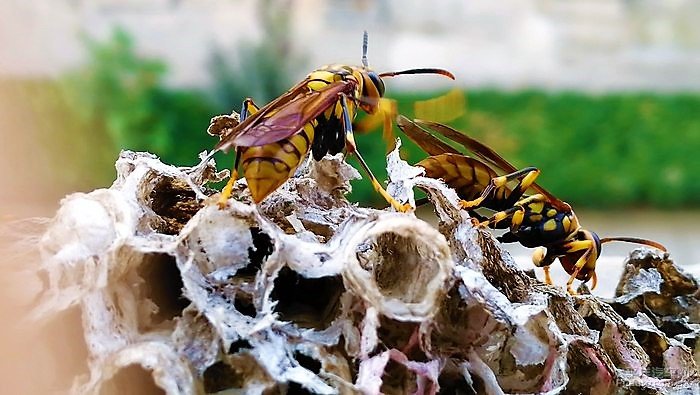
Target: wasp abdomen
467,176
268,166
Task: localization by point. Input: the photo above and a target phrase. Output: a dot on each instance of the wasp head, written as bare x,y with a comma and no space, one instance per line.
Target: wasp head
372,91
584,245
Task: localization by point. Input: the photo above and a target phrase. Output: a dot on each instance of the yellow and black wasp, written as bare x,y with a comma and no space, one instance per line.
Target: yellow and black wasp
539,221
316,114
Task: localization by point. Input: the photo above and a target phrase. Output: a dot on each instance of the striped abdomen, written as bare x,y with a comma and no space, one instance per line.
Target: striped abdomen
268,166
467,176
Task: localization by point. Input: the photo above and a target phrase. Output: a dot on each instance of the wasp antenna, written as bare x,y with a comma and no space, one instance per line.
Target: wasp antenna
365,39
634,240
419,71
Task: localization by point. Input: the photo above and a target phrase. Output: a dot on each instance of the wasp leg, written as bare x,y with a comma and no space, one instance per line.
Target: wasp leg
352,149
526,176
541,259
226,192
517,212
594,278
547,277
581,262
247,108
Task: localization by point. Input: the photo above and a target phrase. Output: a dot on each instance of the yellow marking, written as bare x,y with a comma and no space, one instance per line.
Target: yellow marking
500,181
517,219
538,256
482,176
530,178
551,212
536,207
310,130
566,222
535,218
281,167
500,216
299,142
263,178
578,245
550,225
317,85
324,75
386,111
262,167
339,110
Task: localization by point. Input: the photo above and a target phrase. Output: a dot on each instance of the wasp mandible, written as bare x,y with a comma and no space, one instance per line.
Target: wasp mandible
316,114
540,220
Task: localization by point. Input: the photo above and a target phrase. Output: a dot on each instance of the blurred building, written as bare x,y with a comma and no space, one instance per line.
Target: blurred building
582,44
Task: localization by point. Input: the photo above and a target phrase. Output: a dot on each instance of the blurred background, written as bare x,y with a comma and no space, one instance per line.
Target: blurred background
602,95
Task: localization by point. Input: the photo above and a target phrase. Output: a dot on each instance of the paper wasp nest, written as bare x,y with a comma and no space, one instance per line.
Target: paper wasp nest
308,293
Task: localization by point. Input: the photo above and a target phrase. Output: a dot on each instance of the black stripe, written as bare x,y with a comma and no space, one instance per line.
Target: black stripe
306,136
248,161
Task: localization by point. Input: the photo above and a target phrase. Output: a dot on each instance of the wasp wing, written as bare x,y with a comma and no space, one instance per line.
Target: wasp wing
468,176
429,143
489,156
284,116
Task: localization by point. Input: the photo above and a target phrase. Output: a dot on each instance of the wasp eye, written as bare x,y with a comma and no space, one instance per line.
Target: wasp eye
377,81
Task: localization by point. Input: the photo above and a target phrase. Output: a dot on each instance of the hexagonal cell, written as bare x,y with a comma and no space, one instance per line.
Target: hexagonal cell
398,265
175,203
162,285
458,326
227,248
307,302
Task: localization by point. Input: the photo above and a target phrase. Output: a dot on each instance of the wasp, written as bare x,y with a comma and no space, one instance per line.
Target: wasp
539,220
315,115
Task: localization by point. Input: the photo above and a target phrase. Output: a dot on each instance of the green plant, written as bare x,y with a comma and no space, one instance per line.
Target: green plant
124,95
600,151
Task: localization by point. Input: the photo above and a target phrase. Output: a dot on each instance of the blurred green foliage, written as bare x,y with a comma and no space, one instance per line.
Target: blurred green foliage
124,96
600,151
260,70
